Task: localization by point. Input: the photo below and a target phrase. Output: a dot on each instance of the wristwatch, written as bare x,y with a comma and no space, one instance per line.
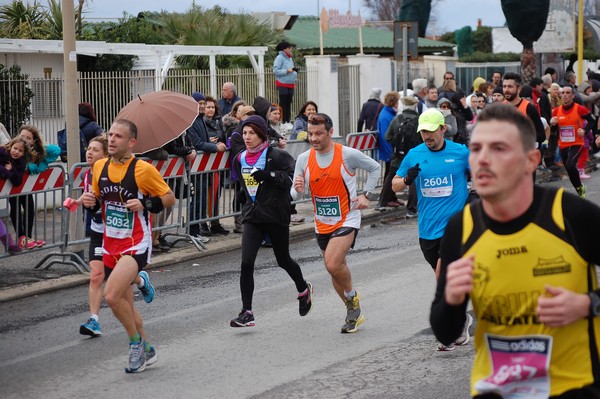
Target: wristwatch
594,304
367,194
147,204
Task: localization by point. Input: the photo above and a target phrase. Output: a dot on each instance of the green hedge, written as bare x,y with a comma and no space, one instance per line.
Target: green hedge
480,56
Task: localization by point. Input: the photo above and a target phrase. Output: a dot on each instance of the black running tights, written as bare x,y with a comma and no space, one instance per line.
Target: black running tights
22,212
570,156
251,240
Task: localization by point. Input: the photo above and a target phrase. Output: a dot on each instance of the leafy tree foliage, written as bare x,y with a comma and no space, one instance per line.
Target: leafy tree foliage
20,20
16,97
482,39
526,21
216,27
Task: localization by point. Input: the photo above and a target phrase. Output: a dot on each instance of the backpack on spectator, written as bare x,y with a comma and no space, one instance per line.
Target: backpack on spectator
406,137
61,137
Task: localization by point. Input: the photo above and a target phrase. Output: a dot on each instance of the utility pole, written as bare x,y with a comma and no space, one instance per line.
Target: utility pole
71,91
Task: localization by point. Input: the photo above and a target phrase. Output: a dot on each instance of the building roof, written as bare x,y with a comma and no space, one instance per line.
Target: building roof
305,35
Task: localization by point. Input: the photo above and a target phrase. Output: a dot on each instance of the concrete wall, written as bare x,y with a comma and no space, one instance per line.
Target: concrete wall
322,87
374,72
439,65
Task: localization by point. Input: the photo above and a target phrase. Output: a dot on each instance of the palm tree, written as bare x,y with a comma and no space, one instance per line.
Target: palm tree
52,27
215,27
79,14
22,21
526,21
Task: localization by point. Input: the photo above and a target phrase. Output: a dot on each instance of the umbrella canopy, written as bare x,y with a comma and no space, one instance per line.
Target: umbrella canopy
160,117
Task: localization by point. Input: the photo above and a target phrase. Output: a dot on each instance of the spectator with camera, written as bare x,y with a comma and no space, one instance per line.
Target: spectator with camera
286,74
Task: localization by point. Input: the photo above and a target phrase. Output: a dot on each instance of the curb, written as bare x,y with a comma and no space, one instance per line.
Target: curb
179,256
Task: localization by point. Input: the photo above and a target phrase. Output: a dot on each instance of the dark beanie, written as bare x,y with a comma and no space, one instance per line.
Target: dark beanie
526,92
198,96
262,106
595,85
258,124
498,90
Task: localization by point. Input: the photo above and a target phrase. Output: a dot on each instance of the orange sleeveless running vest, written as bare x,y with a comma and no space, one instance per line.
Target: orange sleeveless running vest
568,124
330,194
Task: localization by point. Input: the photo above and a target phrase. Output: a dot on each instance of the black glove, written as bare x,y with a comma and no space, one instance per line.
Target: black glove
261,175
295,69
411,174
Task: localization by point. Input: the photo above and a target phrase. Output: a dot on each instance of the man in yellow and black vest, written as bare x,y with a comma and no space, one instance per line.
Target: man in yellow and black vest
525,256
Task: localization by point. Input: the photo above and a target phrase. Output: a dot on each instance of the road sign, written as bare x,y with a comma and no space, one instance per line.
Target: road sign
413,39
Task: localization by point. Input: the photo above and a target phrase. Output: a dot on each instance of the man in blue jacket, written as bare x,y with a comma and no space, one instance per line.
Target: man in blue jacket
228,98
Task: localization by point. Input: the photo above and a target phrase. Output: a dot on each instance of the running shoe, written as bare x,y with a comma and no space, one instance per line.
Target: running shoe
354,315
465,336
412,215
295,218
216,228
581,191
137,357
39,243
27,243
444,348
147,290
305,301
151,356
244,319
91,328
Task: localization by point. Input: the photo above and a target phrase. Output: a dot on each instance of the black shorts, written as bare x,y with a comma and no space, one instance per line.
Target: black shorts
141,260
95,248
431,250
323,239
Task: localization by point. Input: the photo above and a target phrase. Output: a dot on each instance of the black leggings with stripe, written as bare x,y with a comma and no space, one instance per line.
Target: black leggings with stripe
251,241
570,156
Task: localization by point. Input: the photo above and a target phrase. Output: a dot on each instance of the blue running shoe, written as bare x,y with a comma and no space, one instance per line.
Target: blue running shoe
151,356
147,290
91,328
137,357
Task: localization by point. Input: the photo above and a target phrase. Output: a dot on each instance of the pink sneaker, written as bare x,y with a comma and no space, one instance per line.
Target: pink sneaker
583,175
27,243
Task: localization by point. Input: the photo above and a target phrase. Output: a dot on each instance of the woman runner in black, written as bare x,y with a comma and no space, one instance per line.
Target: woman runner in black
265,176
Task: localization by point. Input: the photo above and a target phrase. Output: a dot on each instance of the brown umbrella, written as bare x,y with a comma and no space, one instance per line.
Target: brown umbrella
160,117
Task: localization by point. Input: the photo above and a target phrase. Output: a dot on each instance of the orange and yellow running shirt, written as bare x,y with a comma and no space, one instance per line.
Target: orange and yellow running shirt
569,121
125,232
331,178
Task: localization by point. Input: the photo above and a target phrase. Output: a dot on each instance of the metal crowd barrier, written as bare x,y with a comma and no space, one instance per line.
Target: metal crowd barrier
367,143
215,198
40,197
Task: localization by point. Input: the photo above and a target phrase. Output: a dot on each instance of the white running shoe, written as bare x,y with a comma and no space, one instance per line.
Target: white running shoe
444,348
465,336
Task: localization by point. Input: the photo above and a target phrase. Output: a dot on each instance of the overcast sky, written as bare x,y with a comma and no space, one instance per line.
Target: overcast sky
452,14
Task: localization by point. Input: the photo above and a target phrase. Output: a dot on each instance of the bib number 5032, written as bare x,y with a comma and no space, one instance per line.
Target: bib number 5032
121,223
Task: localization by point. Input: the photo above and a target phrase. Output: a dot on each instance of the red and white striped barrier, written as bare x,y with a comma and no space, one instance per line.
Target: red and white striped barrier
51,179
170,168
77,172
206,162
362,141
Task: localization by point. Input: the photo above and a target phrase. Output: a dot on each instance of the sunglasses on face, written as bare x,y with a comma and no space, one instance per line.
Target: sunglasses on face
445,107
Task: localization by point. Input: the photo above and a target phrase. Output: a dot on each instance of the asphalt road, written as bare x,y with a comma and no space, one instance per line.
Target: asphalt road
392,355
